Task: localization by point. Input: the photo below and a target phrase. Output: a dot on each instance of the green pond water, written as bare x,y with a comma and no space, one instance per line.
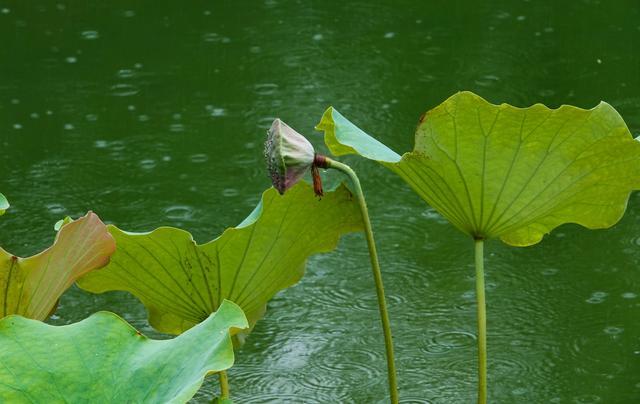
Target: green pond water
154,113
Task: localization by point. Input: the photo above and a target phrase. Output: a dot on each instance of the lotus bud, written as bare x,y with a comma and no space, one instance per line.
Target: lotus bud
289,155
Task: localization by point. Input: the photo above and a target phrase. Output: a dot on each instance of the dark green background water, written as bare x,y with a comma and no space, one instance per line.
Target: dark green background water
154,113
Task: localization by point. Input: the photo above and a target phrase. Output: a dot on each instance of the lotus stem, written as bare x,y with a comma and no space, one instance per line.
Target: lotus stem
325,162
482,322
224,385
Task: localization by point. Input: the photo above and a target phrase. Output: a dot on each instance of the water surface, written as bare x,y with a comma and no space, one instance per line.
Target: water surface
154,114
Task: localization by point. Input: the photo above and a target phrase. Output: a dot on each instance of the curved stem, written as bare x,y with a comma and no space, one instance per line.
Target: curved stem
224,385
482,323
377,275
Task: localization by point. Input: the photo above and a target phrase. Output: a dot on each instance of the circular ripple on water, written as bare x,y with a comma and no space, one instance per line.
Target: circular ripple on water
56,208
230,192
588,362
458,366
147,164
468,305
587,399
176,127
414,399
511,366
270,398
405,272
199,158
369,302
339,369
179,212
124,90
252,384
90,35
265,88
447,341
338,295
597,297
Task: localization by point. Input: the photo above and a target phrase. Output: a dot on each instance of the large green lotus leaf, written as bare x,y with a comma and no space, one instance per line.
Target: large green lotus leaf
102,359
4,204
513,173
181,282
32,286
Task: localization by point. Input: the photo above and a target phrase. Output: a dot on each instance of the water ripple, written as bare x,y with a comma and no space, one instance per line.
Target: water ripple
124,90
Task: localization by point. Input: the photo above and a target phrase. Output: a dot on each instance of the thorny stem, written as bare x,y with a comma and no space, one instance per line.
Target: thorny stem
325,162
482,322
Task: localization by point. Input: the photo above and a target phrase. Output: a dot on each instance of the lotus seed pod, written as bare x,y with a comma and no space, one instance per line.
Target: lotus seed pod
289,155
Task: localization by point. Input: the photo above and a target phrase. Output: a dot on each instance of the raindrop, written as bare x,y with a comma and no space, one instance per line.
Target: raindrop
216,112
230,192
389,35
55,208
147,164
611,330
199,158
179,212
446,341
587,399
265,88
117,145
17,126
597,297
318,37
519,391
71,59
125,73
124,90
214,37
89,35
176,127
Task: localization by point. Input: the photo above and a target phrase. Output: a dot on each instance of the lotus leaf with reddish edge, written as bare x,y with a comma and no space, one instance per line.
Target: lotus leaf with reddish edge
32,286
